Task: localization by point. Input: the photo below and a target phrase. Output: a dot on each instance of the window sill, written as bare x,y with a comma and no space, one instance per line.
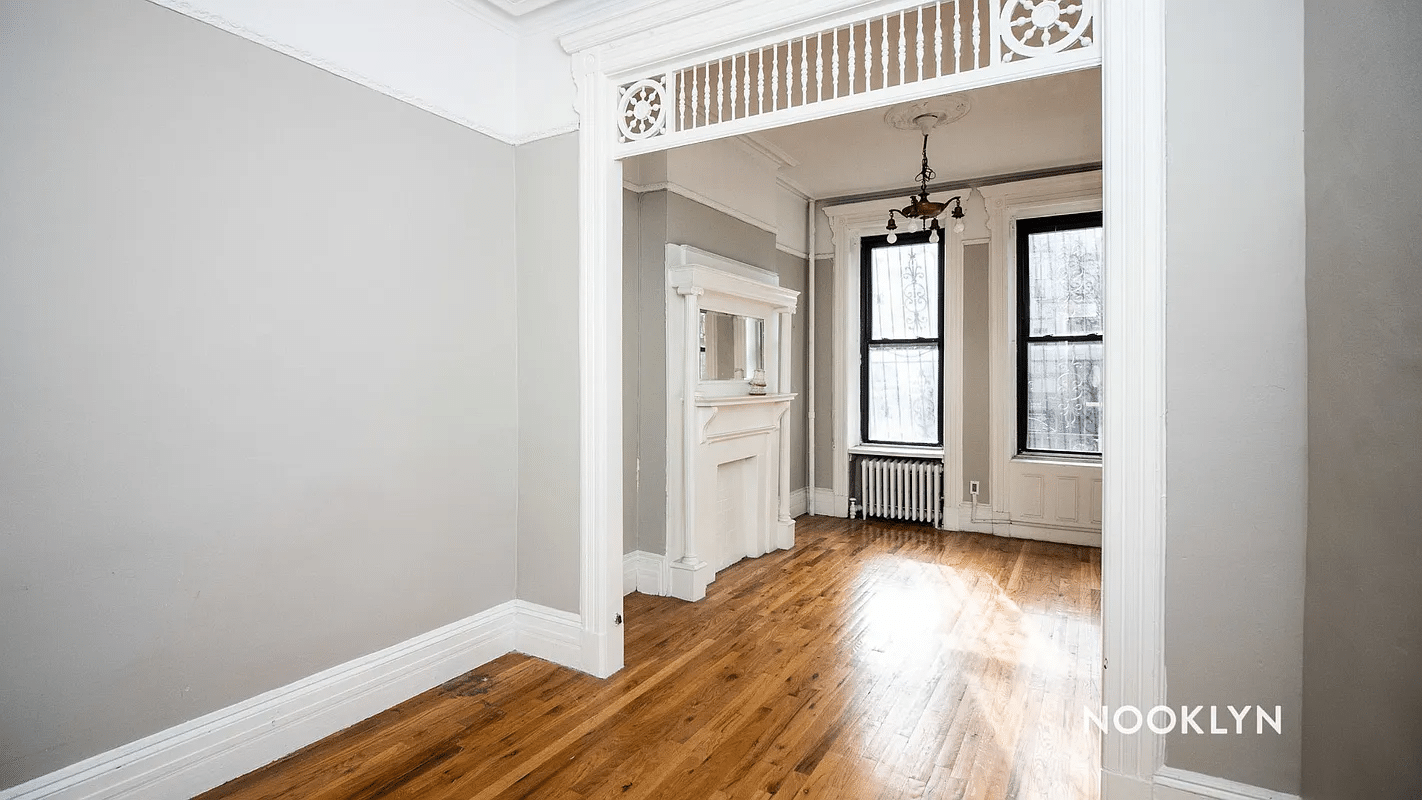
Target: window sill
900,450
1059,459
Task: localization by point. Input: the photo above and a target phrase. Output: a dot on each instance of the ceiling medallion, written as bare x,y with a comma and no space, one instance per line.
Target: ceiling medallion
945,110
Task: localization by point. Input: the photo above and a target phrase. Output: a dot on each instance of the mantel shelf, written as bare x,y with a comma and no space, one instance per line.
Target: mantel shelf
744,399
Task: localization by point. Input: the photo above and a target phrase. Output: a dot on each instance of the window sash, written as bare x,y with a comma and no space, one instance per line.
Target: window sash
917,410
1076,396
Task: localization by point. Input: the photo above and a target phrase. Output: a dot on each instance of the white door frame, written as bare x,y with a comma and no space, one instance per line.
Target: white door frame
1133,438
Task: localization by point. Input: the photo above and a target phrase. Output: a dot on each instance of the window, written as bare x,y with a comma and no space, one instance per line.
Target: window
1060,319
901,344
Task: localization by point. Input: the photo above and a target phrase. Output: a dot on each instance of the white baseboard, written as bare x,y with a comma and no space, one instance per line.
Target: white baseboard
1115,786
986,521
646,573
629,572
548,633
799,502
1044,533
989,521
206,752
1178,784
829,504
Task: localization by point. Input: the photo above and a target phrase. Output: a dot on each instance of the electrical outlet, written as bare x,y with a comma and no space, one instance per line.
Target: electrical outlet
972,487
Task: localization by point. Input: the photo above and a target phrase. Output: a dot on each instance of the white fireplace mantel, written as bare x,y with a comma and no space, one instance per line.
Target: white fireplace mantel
728,480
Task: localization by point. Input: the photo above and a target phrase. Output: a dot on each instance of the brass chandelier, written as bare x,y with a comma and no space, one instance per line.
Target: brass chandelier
920,207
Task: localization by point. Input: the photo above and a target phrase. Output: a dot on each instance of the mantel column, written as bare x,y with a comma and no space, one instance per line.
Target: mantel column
785,530
689,574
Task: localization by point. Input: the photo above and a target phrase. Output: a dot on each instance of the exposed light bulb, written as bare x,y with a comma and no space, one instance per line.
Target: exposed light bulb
933,237
893,237
958,226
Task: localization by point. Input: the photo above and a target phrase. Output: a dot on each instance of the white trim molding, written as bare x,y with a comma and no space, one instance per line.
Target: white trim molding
664,129
645,572
830,504
984,520
1179,784
799,501
770,154
787,249
599,371
629,572
848,224
1133,134
794,187
695,196
548,633
206,752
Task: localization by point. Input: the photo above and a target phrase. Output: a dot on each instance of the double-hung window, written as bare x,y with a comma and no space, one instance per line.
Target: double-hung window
1060,321
901,341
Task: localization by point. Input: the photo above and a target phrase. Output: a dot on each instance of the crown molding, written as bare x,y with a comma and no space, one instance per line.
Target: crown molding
557,20
760,146
788,250
483,11
520,7
546,133
790,184
549,17
694,196
190,10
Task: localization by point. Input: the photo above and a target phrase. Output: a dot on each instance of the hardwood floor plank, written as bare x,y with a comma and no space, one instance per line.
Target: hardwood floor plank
872,660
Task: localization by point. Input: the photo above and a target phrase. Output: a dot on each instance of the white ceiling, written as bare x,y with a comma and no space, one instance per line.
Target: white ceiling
520,7
1014,127
554,18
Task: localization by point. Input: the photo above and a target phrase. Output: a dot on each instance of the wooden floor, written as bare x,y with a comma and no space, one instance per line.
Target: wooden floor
870,661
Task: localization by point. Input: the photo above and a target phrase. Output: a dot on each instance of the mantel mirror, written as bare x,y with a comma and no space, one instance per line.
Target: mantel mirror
731,346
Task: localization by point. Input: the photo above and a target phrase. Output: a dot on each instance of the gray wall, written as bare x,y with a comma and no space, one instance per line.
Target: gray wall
1236,380
824,375
689,222
631,378
1363,612
976,419
644,364
660,217
255,322
548,371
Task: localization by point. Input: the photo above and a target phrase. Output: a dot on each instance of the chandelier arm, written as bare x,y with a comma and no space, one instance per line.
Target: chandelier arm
925,173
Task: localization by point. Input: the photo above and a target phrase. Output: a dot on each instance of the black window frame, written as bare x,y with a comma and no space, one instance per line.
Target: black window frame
868,245
1025,228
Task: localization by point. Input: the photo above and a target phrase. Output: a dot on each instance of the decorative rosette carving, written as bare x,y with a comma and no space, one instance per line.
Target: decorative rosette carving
1033,28
642,110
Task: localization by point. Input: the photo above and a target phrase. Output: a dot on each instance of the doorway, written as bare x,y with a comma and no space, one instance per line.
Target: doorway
1132,54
